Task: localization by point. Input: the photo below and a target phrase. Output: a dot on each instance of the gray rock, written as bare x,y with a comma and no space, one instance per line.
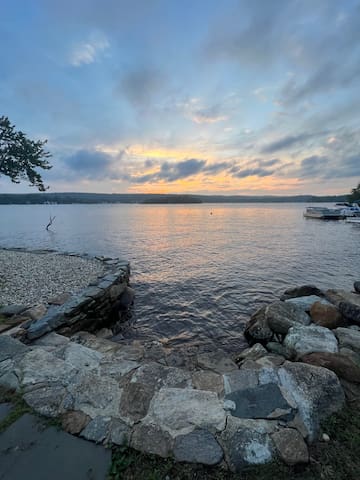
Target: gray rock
355,357
97,429
283,315
59,299
262,401
119,432
316,391
302,291
178,411
99,344
278,349
252,353
348,339
357,287
198,446
52,339
81,357
217,361
104,333
127,297
355,327
257,328
301,340
150,438
291,446
306,302
36,312
48,400
209,381
11,348
10,310
240,380
247,442
135,401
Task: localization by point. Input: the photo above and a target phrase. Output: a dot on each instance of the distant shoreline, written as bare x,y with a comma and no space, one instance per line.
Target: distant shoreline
142,198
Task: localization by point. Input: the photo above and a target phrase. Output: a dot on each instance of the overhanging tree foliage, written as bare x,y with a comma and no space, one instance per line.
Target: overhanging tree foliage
20,156
355,194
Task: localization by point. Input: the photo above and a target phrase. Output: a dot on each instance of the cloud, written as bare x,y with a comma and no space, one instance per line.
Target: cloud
89,51
92,164
141,86
285,142
208,115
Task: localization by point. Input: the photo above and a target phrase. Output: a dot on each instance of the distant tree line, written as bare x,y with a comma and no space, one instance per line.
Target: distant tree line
355,194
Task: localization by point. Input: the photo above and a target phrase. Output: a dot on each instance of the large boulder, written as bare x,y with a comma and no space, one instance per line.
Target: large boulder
257,329
281,316
340,364
327,316
347,302
306,302
302,291
348,338
301,340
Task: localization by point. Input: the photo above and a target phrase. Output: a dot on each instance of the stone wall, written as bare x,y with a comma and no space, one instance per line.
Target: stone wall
102,304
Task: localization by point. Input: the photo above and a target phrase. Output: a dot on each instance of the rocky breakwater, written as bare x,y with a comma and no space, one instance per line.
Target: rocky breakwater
207,408
102,303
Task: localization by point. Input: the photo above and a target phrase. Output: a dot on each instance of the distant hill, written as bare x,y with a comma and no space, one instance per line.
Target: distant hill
87,198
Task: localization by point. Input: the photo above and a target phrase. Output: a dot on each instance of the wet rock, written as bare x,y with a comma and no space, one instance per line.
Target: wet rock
178,411
357,287
218,362
127,298
97,429
316,391
302,291
282,315
74,421
348,338
306,302
301,340
261,401
150,438
198,446
339,364
327,316
257,329
247,442
209,381
290,446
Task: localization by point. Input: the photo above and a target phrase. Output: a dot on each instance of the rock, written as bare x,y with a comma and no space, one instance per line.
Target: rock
209,381
127,298
116,290
60,299
36,312
291,446
325,437
277,349
352,393
339,364
281,316
51,339
99,344
198,446
119,432
348,339
178,411
82,358
270,361
252,353
357,287
355,327
347,302
97,429
135,401
261,401
11,348
257,329
303,291
301,340
306,302
104,333
240,380
49,400
10,310
218,362
151,439
327,316
247,442
347,352
74,421
316,391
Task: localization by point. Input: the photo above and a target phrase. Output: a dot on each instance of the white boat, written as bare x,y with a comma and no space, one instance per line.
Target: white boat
349,209
324,213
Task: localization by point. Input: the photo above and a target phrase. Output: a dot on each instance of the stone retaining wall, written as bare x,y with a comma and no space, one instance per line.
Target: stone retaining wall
102,304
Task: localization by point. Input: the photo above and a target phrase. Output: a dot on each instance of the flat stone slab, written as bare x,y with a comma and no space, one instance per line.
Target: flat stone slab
30,450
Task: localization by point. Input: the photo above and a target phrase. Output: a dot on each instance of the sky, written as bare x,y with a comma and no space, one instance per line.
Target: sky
186,96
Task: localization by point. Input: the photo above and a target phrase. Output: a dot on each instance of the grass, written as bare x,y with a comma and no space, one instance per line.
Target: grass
19,408
338,459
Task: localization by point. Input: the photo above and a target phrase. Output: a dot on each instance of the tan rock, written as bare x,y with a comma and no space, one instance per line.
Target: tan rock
343,366
291,446
74,422
326,316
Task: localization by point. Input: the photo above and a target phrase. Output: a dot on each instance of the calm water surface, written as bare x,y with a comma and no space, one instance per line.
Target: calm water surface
198,270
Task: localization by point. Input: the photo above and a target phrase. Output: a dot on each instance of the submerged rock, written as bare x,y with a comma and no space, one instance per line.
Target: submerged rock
302,291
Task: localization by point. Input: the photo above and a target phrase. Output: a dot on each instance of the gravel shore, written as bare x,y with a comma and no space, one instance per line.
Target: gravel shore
30,278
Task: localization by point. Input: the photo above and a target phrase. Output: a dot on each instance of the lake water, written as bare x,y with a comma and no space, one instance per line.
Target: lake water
198,270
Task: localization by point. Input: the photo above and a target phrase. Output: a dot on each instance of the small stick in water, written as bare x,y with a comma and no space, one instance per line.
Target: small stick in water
50,222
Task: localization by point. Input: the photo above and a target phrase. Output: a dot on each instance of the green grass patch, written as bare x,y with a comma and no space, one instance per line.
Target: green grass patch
338,459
